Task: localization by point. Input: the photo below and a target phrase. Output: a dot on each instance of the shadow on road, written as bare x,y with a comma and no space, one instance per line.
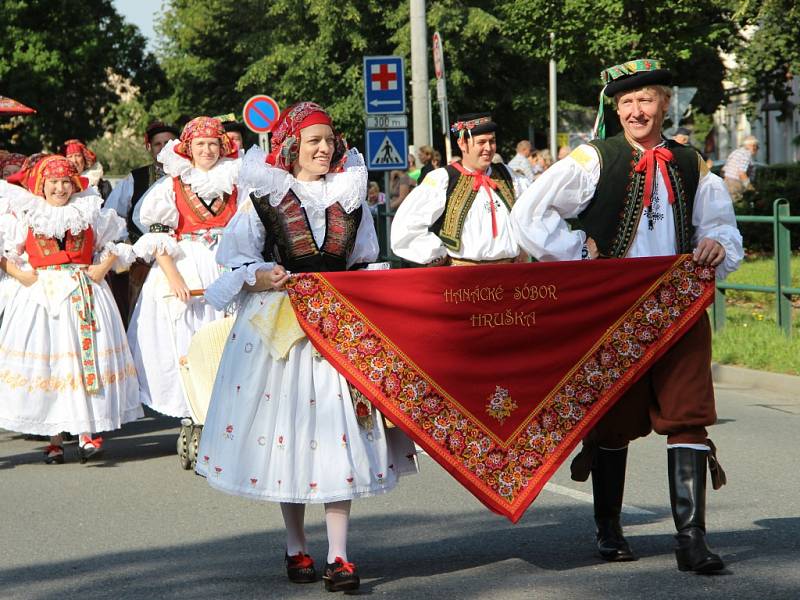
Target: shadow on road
139,440
390,553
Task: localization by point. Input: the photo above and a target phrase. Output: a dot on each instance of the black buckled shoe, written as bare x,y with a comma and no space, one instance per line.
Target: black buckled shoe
300,568
54,455
341,576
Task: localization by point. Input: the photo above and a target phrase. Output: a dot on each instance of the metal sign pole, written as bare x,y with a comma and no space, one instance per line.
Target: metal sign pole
441,92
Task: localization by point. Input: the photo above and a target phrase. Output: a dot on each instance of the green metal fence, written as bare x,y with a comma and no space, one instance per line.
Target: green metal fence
782,288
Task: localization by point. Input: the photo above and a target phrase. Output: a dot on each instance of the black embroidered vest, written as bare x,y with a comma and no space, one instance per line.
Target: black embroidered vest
290,240
461,195
143,178
613,215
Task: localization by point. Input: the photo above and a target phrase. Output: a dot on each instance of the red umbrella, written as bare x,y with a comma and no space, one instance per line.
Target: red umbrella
9,107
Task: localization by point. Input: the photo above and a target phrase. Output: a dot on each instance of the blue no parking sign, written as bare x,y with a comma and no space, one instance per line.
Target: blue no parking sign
260,113
387,149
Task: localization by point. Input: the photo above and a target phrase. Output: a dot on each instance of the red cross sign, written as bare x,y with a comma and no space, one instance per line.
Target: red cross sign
384,85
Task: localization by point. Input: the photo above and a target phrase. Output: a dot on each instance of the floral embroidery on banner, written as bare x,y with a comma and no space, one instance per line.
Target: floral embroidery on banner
500,405
505,468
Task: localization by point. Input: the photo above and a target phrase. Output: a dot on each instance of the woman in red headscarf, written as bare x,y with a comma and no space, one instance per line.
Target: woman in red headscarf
66,362
282,425
10,164
185,213
86,163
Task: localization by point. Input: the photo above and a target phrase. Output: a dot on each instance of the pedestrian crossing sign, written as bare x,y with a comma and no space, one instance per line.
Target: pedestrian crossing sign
387,149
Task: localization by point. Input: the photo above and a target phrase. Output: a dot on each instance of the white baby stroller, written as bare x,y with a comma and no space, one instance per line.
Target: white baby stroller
198,371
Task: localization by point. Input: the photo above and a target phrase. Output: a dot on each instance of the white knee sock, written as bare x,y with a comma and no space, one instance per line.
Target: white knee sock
337,518
293,518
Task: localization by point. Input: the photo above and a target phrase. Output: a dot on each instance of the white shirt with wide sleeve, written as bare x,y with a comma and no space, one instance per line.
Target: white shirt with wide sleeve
412,240
566,189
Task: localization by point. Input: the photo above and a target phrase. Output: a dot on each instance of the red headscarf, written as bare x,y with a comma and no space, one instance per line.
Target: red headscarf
75,146
12,159
20,178
52,166
286,135
206,127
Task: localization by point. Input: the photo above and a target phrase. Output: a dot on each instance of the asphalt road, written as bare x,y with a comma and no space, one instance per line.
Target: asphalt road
133,525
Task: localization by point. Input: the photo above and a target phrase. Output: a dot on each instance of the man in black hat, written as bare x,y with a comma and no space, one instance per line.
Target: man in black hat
635,195
237,132
460,214
123,199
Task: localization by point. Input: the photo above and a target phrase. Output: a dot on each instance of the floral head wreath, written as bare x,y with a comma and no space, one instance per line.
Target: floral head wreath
205,127
52,166
286,135
75,146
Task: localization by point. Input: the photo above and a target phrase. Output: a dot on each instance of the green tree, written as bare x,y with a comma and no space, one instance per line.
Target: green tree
591,35
57,56
496,52
771,57
217,54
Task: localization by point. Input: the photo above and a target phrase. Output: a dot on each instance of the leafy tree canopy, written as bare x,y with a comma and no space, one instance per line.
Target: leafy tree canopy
57,56
216,54
771,56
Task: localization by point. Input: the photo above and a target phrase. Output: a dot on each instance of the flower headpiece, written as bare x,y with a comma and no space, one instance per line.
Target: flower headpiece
473,124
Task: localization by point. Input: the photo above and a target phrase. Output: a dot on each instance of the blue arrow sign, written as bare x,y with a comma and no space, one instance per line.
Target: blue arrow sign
387,149
384,85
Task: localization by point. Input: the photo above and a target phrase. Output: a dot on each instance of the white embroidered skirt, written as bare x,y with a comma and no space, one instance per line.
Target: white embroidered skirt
161,328
42,390
285,430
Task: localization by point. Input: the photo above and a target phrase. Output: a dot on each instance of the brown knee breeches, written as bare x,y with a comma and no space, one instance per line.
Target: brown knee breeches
675,397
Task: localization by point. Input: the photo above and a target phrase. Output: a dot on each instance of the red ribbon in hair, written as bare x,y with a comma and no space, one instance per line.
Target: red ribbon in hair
647,165
481,180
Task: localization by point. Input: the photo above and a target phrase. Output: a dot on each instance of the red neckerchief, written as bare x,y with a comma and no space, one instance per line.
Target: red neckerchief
655,156
482,180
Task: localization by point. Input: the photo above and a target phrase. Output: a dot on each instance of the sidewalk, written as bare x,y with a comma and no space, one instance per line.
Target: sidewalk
788,385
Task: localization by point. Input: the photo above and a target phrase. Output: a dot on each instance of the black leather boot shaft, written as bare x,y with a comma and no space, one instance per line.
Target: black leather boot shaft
608,486
687,492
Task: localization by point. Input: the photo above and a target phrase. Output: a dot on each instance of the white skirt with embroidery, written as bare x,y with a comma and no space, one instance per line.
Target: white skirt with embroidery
286,431
42,389
162,326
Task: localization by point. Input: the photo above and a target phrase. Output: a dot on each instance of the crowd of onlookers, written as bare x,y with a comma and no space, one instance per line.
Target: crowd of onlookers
529,162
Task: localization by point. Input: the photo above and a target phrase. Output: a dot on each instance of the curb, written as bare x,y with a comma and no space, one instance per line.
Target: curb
739,376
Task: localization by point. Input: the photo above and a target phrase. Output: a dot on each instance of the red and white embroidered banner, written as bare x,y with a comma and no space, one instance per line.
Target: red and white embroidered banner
498,371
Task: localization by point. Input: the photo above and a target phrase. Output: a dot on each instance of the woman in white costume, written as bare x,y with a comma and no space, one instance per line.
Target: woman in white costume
281,425
65,360
185,213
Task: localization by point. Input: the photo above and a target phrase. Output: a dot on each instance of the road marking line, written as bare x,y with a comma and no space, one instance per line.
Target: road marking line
584,497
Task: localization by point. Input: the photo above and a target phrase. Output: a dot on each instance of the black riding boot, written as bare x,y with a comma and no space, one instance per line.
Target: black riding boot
687,492
608,484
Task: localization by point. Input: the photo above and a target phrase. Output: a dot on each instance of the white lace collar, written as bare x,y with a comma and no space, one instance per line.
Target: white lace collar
207,184
54,221
348,188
